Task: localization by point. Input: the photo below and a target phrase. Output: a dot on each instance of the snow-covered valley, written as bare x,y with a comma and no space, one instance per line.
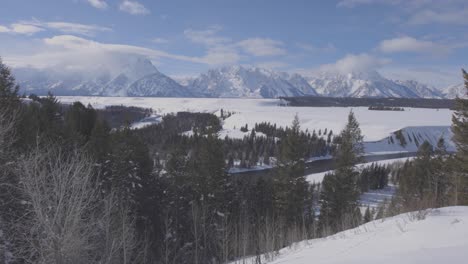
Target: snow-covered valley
375,125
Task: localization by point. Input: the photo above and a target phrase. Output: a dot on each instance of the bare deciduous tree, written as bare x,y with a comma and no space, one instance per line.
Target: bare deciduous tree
68,220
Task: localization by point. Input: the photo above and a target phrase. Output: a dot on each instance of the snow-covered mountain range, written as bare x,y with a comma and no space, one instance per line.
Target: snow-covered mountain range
454,91
138,77
369,84
239,81
133,77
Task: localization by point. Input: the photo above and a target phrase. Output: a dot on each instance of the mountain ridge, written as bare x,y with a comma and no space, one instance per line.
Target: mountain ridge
139,77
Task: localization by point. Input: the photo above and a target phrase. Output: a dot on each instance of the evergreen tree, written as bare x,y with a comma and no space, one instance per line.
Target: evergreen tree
340,192
460,137
290,187
8,87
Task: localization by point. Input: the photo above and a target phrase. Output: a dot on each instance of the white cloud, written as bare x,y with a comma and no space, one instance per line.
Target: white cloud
356,63
427,16
272,65
35,26
409,44
440,76
221,55
220,50
312,48
354,3
223,50
159,40
21,28
133,7
74,43
75,28
73,52
262,47
207,36
4,29
421,12
100,4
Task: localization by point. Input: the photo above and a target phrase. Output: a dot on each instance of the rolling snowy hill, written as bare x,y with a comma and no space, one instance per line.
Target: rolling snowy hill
439,237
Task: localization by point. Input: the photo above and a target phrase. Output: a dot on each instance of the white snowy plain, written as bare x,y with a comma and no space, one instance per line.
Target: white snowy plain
375,125
441,237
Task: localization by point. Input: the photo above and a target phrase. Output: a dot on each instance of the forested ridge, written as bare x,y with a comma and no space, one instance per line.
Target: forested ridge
78,185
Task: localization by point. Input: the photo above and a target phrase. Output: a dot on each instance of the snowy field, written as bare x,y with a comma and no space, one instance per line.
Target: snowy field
439,238
375,125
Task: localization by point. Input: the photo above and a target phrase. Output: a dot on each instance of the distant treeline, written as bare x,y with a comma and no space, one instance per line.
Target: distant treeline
385,108
319,101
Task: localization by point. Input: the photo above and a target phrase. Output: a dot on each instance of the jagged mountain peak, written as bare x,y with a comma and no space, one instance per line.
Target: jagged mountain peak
422,90
247,81
358,84
453,91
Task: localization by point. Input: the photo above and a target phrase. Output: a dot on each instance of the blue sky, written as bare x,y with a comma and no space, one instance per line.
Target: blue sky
426,40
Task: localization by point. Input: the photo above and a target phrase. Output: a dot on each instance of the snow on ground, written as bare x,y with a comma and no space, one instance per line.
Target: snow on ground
154,119
375,125
441,237
374,198
318,177
414,137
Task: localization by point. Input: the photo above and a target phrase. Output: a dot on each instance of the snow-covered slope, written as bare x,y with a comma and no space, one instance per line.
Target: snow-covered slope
409,139
239,81
441,237
454,91
157,85
300,83
359,84
422,90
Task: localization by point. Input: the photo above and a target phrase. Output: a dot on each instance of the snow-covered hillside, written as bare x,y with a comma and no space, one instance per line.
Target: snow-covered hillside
441,237
421,90
454,91
359,84
252,82
408,139
157,85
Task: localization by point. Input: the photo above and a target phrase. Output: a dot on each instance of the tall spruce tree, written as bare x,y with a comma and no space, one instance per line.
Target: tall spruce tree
460,137
291,193
340,191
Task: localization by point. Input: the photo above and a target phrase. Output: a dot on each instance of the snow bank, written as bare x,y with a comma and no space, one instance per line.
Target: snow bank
439,238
